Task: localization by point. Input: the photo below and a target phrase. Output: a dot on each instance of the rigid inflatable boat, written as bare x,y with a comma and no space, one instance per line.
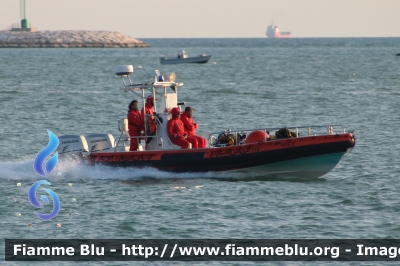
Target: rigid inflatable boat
299,151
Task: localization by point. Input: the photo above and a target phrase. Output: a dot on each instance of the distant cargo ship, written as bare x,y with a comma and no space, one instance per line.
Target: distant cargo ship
273,32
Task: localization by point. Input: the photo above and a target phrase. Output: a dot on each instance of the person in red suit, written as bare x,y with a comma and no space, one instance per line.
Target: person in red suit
177,132
135,124
191,126
151,120
148,106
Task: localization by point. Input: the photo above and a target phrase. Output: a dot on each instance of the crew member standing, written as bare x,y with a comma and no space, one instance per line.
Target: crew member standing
151,120
135,124
148,106
191,126
177,132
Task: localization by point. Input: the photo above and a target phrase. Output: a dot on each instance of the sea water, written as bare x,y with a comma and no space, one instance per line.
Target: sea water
248,83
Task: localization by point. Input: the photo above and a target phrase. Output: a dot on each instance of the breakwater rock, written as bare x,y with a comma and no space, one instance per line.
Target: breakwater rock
68,39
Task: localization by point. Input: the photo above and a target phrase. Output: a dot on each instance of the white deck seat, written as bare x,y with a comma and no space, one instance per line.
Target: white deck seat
123,125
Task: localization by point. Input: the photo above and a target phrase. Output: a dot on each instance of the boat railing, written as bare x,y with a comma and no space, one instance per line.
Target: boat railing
126,138
159,139
240,135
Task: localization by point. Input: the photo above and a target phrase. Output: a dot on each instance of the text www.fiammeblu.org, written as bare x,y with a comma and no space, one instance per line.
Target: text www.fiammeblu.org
230,250
239,251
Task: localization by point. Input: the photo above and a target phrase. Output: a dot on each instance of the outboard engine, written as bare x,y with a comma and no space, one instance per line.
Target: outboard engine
74,145
100,142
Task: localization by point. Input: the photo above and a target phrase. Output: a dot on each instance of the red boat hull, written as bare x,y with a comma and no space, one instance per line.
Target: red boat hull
232,157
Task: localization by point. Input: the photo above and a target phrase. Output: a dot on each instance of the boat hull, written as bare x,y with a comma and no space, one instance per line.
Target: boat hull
307,167
197,60
282,35
304,156
279,35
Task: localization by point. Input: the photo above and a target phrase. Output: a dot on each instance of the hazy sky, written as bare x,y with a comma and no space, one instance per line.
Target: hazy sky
212,18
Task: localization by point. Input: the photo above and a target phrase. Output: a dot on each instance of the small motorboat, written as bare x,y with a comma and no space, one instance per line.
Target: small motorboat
299,151
183,58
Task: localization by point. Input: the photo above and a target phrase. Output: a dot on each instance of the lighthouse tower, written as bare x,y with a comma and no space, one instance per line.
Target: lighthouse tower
24,26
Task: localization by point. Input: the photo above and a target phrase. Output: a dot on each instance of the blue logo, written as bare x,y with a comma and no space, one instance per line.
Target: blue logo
44,153
45,169
32,198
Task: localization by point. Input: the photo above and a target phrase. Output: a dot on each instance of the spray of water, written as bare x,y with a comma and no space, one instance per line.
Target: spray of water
76,169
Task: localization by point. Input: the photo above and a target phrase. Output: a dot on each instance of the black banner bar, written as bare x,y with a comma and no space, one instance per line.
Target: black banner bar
202,249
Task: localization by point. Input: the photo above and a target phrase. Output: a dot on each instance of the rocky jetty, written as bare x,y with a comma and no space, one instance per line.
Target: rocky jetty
68,39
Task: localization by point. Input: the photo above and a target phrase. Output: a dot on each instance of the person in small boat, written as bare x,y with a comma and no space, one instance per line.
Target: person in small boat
151,120
191,126
135,124
177,132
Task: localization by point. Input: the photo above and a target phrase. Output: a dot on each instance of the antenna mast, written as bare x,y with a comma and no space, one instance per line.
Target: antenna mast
22,9
24,21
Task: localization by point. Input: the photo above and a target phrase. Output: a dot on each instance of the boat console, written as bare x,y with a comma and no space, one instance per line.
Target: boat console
163,87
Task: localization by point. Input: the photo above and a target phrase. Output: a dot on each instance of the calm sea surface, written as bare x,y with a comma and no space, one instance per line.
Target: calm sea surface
247,83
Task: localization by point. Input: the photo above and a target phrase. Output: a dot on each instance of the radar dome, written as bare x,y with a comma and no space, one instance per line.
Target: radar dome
124,70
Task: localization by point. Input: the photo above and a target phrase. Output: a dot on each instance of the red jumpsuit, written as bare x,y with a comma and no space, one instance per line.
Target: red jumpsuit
176,130
149,109
191,127
135,125
151,121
